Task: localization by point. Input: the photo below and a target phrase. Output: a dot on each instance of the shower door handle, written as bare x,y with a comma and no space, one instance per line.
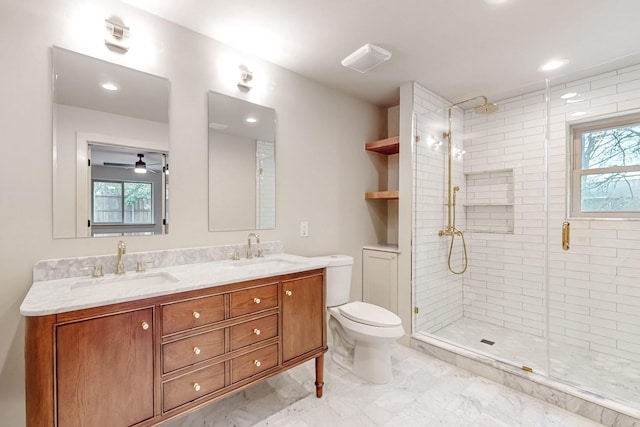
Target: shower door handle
566,237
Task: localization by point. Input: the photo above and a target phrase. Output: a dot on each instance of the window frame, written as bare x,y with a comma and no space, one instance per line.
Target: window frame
577,172
122,223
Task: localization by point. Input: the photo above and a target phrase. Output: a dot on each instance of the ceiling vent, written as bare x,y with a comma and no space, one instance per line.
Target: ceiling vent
367,57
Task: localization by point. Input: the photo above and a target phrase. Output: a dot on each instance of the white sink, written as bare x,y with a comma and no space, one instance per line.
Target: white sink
129,279
273,263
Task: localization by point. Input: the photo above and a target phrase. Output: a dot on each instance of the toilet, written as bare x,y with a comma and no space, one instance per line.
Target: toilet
361,333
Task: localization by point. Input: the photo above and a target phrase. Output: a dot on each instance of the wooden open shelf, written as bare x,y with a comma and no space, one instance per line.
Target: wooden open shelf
381,195
385,146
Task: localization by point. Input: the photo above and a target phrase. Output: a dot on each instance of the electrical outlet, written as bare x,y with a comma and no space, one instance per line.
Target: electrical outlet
304,229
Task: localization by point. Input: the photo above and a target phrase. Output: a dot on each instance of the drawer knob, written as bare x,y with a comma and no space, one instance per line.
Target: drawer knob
144,325
256,331
256,300
288,293
196,350
257,363
196,315
196,386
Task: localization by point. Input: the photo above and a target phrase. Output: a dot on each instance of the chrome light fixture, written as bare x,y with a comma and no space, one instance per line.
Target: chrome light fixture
245,78
117,35
141,167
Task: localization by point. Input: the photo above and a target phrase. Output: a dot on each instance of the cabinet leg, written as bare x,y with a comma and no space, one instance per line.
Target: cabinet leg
319,375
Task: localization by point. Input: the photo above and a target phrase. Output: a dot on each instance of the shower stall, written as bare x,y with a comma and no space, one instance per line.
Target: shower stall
523,278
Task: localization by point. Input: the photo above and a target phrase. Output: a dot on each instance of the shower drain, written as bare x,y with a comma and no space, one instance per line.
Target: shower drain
487,342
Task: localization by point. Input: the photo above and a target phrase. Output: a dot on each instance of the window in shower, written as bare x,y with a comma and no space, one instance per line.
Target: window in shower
605,179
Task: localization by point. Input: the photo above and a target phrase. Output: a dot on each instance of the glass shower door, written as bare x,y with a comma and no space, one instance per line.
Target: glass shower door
594,235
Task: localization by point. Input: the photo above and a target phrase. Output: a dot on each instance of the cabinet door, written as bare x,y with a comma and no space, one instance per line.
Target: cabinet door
105,370
380,279
303,316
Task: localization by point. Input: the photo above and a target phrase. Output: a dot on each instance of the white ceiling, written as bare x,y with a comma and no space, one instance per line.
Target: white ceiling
456,48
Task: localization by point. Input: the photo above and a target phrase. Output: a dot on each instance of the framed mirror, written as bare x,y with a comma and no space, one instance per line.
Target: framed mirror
242,165
106,119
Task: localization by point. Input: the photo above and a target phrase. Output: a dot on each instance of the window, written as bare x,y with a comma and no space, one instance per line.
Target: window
605,179
122,202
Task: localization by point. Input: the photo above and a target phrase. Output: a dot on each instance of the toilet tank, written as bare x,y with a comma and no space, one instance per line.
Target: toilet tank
338,279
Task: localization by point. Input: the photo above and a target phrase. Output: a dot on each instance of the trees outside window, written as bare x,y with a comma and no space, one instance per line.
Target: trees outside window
605,180
122,202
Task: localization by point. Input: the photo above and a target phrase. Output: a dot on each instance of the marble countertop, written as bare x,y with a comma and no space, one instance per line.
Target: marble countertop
74,293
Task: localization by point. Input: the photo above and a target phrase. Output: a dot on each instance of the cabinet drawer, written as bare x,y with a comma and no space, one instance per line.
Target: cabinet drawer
192,313
192,386
253,331
253,363
191,350
254,299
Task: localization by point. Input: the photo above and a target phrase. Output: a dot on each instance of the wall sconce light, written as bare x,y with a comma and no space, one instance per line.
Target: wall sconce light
141,167
433,142
245,78
117,35
458,152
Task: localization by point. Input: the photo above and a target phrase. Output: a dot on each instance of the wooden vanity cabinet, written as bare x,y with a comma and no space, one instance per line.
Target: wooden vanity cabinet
113,353
144,362
303,308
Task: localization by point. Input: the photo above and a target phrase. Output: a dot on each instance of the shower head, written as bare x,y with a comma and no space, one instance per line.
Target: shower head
486,108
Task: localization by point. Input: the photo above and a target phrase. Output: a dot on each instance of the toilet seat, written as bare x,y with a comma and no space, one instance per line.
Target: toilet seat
369,314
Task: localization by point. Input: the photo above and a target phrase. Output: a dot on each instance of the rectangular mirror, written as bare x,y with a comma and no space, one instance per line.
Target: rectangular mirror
108,119
242,165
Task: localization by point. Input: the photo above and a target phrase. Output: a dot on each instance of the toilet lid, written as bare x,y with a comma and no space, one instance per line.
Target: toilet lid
369,314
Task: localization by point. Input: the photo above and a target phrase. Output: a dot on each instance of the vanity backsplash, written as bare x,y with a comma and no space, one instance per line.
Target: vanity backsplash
52,269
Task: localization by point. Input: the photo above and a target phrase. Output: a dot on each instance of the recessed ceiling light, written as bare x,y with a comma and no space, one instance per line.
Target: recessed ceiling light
578,114
109,86
250,120
554,64
573,101
568,95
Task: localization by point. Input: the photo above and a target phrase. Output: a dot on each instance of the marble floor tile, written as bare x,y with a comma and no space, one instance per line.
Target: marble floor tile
605,375
424,392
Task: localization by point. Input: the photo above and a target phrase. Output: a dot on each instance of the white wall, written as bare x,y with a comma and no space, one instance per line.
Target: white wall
232,181
438,291
322,167
506,275
594,287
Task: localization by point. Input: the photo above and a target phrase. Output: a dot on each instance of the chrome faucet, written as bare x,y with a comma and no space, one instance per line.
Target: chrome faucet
122,249
249,252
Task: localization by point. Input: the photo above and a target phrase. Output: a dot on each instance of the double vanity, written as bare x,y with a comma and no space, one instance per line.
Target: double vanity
138,339
143,347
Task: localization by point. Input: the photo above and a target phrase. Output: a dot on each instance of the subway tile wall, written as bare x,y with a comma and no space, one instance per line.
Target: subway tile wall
265,185
437,293
594,288
504,286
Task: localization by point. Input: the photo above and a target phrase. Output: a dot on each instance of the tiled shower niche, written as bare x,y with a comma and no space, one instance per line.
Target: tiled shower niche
489,201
